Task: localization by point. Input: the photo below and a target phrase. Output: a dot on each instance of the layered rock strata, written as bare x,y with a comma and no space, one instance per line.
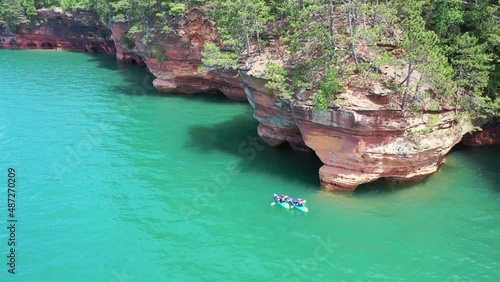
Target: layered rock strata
181,53
489,135
359,141
78,30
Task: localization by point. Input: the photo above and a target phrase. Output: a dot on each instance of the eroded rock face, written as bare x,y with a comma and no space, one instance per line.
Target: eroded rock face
123,54
78,30
358,143
277,124
178,73
488,136
353,154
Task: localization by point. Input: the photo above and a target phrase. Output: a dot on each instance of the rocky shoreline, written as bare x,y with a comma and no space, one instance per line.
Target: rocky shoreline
359,142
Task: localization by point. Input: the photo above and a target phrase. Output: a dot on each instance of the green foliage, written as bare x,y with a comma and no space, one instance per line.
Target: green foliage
472,66
432,105
277,76
433,121
177,9
446,16
238,20
127,41
450,46
29,7
342,102
213,58
330,83
12,14
328,87
159,54
321,101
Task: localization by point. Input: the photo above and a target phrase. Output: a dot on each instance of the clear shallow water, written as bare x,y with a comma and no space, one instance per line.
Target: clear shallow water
117,183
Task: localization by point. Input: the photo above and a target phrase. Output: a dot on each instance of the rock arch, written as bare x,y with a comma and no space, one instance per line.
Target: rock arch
130,61
31,45
97,49
47,45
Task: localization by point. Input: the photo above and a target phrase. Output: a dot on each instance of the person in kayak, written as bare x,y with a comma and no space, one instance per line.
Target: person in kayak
283,198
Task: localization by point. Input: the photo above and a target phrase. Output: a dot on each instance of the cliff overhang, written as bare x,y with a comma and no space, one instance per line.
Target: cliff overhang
76,30
359,141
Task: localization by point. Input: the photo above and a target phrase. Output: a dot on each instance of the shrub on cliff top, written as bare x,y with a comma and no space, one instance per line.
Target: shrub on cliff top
328,87
213,59
159,54
277,76
129,43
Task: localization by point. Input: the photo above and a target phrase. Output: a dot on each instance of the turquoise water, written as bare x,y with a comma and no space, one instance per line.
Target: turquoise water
118,183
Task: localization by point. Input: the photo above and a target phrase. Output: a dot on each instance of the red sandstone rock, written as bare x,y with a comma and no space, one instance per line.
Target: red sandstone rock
78,30
488,136
123,55
179,73
360,143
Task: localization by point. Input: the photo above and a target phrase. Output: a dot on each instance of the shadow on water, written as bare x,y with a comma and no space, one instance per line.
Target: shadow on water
138,80
484,158
209,98
238,137
107,61
382,186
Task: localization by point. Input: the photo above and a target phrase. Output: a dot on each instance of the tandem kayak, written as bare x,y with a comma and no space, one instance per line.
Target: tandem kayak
284,204
298,205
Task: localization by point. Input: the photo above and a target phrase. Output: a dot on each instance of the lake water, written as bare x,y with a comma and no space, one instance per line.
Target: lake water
115,182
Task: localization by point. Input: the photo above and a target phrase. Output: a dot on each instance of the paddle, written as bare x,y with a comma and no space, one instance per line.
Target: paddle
273,203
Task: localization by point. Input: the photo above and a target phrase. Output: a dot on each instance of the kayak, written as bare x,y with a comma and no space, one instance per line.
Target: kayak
283,204
301,207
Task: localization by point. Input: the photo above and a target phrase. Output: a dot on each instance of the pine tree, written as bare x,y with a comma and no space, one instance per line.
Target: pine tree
472,65
422,52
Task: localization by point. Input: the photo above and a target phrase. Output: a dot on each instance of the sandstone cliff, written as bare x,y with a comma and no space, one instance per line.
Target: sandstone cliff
182,50
363,139
489,135
78,30
359,143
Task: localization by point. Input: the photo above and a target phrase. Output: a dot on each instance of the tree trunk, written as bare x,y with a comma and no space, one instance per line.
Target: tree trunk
375,14
247,39
330,7
458,93
364,14
177,23
408,77
353,31
258,41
